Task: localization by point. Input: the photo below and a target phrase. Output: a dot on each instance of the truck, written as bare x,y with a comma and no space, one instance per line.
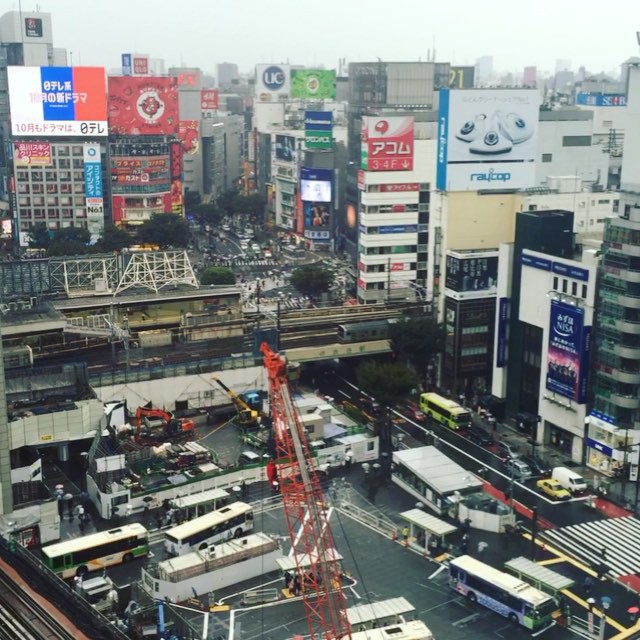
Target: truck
570,480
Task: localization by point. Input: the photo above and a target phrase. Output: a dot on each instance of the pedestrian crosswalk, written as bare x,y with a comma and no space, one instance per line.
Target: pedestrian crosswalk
614,542
248,262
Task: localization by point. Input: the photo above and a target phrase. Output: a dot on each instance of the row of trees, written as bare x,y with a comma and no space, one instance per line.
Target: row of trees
228,204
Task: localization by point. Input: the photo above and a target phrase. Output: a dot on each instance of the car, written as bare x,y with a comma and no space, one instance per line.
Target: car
255,247
267,253
518,469
478,435
226,227
537,466
553,489
506,451
413,411
370,405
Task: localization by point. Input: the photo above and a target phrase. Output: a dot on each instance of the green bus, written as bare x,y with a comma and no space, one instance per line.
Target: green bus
79,556
445,411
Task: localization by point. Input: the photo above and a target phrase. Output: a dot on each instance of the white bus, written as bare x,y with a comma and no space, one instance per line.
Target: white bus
96,551
503,593
232,521
198,504
413,630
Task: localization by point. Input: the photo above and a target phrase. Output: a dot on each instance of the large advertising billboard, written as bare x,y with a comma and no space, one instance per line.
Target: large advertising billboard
92,171
209,100
601,99
568,352
32,154
316,200
387,143
318,129
487,139
315,184
189,134
285,148
473,274
57,101
143,106
273,82
140,174
313,84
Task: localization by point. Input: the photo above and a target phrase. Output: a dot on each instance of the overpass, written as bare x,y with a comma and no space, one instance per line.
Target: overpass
331,351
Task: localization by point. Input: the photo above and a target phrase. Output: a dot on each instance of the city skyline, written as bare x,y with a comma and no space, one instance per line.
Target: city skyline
280,32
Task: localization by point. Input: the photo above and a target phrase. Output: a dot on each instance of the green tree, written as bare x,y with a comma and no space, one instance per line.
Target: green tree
252,205
227,201
207,213
387,382
70,241
39,237
311,280
113,239
164,229
416,340
191,199
217,275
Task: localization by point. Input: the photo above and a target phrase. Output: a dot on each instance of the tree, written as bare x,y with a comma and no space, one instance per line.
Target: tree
207,213
164,229
113,239
39,237
387,382
311,280
228,201
191,199
252,205
417,340
217,275
70,241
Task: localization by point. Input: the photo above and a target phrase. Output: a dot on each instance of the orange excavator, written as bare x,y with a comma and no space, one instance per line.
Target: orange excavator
154,424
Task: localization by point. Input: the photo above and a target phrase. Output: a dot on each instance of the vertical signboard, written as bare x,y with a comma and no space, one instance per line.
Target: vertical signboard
92,171
565,357
33,27
503,323
188,132
387,143
209,102
318,127
175,163
127,64
316,197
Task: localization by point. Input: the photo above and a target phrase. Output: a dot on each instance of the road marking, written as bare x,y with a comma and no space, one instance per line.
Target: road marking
470,618
440,569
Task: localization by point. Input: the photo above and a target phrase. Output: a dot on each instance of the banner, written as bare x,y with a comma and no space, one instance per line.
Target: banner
177,198
387,143
313,84
471,274
143,106
190,136
318,129
57,101
285,148
209,99
565,357
92,171
32,154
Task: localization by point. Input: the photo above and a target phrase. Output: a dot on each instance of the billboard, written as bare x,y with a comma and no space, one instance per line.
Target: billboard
601,99
209,100
318,127
32,154
33,27
272,82
175,171
57,101
92,171
313,84
315,184
461,77
471,274
140,174
487,139
568,351
188,132
285,148
143,106
387,143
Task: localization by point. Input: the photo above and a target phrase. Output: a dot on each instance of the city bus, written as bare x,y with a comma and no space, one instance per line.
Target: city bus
96,551
232,521
444,411
199,504
503,593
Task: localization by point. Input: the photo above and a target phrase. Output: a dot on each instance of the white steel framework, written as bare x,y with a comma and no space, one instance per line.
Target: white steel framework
156,269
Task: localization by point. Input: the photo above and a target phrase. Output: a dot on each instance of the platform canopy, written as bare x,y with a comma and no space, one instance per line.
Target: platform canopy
428,522
540,576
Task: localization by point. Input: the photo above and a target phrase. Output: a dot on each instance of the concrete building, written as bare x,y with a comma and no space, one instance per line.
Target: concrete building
227,75
484,71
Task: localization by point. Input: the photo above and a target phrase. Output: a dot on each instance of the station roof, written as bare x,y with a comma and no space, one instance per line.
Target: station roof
536,573
428,522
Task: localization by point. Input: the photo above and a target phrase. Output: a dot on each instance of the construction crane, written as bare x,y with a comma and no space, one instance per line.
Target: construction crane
305,511
247,416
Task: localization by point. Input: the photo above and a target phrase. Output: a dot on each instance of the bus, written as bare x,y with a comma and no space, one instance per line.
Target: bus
444,411
503,593
199,504
232,521
96,551
413,630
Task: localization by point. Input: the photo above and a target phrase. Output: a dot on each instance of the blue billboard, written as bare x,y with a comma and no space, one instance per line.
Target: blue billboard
568,352
127,66
92,171
601,99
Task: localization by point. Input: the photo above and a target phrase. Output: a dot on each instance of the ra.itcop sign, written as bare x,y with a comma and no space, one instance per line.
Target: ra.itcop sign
318,126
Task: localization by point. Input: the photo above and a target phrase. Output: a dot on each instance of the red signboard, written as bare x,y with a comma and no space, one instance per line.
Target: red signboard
397,266
176,197
387,143
361,179
405,186
209,99
140,66
32,154
398,208
187,79
143,106
188,133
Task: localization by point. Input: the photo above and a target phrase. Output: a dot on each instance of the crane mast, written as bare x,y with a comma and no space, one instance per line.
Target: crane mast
305,511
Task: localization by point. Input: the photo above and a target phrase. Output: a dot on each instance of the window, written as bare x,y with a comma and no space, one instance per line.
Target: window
576,141
584,290
565,286
555,283
547,157
574,288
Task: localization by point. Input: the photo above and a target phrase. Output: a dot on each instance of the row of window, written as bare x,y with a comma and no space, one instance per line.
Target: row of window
384,251
570,287
50,176
392,208
54,201
54,226
384,268
41,214
621,235
77,187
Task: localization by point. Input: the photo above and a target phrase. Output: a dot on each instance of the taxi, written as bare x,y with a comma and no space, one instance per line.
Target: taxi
553,489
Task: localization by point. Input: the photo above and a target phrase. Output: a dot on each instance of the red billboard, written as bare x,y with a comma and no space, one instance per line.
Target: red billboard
32,154
140,65
387,143
404,186
177,201
209,99
143,106
188,134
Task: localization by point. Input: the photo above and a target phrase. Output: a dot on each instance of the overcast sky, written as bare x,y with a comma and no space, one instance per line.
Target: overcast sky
201,33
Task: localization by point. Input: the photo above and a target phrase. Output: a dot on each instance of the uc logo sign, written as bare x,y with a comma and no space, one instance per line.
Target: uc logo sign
273,78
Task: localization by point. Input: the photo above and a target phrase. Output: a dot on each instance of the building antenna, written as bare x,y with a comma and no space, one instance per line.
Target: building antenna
434,49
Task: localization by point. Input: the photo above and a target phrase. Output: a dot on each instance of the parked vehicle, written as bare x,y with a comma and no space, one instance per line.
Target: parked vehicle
506,451
519,470
570,480
537,466
553,489
478,435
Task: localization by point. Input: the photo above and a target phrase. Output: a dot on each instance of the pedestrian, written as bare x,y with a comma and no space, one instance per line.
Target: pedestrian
405,534
159,520
296,585
287,579
588,584
81,525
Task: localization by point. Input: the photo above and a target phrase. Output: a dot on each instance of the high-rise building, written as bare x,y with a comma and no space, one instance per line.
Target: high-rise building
227,75
484,71
530,76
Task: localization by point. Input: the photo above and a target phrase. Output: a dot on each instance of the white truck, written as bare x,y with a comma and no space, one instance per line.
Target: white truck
570,480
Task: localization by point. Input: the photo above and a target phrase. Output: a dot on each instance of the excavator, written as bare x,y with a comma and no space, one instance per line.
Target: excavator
154,424
247,417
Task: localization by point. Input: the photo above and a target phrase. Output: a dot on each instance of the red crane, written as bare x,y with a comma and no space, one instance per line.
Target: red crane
305,511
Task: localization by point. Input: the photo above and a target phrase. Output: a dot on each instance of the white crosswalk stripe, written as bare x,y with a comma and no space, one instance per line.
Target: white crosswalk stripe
618,537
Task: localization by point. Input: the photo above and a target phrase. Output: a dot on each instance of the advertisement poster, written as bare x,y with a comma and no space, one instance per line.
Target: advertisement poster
33,154
209,99
487,139
285,148
317,215
315,184
565,351
318,129
188,132
472,274
92,171
57,101
273,82
313,84
387,143
143,106
177,196
33,27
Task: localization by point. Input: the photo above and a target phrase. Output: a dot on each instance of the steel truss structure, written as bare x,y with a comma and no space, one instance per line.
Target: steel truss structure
84,274
157,269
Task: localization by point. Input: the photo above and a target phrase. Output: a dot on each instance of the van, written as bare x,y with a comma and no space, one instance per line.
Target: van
570,480
519,470
506,451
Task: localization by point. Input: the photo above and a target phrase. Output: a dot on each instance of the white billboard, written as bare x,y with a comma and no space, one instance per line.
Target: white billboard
273,82
487,139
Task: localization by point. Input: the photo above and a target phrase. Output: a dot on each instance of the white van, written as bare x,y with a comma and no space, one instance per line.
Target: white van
570,480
